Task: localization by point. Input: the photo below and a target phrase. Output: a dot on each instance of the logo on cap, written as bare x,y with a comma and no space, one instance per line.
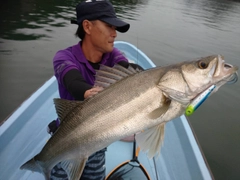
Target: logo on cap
92,1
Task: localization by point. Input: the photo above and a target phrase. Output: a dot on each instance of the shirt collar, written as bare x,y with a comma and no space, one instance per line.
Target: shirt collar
78,53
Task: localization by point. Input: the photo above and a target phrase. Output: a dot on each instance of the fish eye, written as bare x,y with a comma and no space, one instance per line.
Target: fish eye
202,65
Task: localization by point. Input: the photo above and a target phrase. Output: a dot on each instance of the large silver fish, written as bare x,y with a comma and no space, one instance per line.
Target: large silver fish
131,102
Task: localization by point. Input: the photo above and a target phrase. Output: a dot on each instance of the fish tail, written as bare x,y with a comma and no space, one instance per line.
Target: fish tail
33,165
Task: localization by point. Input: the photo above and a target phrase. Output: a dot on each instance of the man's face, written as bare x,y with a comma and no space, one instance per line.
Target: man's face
102,36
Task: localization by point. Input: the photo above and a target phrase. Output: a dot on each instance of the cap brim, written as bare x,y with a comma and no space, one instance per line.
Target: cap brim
120,25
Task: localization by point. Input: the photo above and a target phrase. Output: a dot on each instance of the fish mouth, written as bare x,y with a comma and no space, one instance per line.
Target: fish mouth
225,71
233,78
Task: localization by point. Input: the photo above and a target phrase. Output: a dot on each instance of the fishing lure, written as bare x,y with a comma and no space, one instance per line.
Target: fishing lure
198,100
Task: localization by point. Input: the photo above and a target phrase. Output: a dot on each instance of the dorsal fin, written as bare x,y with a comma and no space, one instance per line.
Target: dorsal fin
121,71
106,76
63,107
130,70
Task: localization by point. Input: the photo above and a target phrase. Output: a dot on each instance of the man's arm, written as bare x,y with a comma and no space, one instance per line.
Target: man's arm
78,87
76,84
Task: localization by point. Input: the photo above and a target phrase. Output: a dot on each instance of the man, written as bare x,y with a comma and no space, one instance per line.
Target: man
75,67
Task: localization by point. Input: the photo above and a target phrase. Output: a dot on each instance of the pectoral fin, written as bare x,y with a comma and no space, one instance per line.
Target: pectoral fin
161,110
151,140
74,167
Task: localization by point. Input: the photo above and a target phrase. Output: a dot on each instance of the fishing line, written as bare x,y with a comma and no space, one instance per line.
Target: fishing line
155,166
137,47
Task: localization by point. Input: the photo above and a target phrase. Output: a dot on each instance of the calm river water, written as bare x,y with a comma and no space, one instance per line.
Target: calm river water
168,31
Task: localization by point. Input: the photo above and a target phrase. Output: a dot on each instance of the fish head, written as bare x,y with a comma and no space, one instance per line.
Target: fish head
186,80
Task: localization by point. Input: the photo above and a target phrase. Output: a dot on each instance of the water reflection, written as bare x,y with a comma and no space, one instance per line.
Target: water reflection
24,20
128,9
212,13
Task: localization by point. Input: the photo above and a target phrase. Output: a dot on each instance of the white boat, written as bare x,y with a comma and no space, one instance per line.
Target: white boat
24,133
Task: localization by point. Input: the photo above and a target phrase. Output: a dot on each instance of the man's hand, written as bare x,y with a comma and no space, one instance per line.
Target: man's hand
89,93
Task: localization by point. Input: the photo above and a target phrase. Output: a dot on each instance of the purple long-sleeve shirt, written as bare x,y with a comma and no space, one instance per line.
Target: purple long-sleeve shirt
73,58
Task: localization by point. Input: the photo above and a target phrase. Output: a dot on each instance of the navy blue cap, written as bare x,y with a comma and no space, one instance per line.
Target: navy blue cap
99,10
